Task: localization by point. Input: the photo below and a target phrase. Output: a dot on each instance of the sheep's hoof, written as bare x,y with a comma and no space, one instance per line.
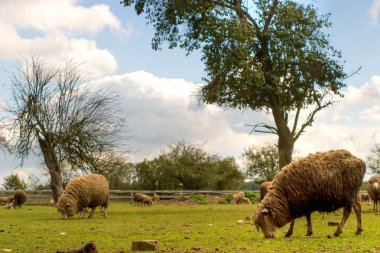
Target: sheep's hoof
309,233
358,232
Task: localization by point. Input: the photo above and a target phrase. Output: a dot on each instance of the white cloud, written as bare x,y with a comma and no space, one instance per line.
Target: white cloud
374,11
52,28
65,15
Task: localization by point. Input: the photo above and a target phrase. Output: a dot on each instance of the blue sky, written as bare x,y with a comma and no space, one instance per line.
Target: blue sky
155,87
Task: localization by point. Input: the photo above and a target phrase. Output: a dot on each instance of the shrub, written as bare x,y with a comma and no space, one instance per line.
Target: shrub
199,198
252,196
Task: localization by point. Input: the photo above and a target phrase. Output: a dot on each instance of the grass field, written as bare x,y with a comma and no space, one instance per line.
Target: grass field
178,228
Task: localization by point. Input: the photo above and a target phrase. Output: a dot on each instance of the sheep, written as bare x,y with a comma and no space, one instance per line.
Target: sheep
90,190
374,191
237,197
156,198
244,200
5,200
264,189
142,198
325,182
18,199
363,197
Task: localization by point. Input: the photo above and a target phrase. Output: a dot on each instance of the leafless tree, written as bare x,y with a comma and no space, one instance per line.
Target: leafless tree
55,111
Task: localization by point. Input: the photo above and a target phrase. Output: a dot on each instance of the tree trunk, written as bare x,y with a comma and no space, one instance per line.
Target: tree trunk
285,138
52,164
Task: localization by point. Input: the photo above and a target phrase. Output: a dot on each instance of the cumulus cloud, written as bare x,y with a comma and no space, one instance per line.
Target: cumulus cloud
374,11
58,29
160,111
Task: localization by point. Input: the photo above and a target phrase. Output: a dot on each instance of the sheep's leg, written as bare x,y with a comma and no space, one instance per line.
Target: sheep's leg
290,230
346,214
92,212
309,226
357,208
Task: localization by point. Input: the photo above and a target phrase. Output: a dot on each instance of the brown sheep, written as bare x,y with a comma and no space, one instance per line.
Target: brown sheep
325,182
19,198
90,190
364,197
142,199
374,191
264,189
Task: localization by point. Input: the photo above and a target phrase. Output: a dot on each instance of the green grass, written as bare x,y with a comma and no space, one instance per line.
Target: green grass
178,228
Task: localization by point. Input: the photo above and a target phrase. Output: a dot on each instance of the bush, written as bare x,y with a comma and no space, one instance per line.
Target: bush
252,196
199,198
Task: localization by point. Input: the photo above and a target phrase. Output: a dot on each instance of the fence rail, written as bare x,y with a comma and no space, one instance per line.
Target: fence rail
126,194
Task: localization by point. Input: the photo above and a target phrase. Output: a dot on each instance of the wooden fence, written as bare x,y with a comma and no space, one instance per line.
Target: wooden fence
127,195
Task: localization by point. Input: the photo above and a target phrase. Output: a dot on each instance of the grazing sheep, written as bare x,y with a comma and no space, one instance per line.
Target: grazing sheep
364,197
244,200
18,199
5,200
156,198
374,191
142,199
264,189
90,190
325,182
237,197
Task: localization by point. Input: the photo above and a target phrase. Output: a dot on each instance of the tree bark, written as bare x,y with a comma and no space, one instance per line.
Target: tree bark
285,137
52,164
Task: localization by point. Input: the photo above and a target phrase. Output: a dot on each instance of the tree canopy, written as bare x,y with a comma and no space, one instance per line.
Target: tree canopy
265,55
14,182
261,163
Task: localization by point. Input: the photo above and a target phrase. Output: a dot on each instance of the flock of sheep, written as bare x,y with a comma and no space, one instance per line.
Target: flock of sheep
324,182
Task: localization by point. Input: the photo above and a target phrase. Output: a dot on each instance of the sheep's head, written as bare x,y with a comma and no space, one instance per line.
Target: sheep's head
66,206
264,221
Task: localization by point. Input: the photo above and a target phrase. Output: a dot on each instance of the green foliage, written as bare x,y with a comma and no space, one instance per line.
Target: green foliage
374,160
13,182
264,55
178,228
199,198
261,163
252,196
188,166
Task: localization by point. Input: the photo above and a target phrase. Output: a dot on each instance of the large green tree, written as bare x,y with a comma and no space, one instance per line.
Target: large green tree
265,55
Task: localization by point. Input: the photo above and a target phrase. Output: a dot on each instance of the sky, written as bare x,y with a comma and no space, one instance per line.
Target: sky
156,88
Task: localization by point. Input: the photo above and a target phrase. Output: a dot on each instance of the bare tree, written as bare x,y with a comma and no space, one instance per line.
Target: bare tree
55,111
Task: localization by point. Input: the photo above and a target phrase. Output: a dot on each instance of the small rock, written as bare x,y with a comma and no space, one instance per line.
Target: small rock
240,222
144,245
196,248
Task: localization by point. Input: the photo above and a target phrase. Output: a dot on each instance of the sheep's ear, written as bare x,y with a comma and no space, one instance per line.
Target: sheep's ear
265,211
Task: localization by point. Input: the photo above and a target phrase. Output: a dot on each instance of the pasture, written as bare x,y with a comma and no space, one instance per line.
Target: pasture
178,228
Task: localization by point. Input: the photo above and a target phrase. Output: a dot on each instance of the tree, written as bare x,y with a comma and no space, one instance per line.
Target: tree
374,160
264,55
13,182
261,163
188,166
54,110
227,175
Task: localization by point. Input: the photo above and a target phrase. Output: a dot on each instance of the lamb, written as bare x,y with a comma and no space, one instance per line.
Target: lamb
90,190
325,182
374,191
